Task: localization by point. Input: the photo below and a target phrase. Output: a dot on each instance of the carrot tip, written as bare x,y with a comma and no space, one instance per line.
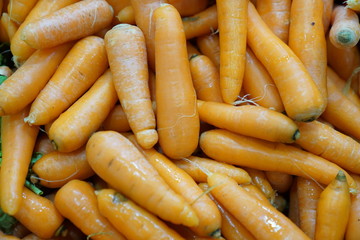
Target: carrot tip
147,138
341,176
216,233
296,135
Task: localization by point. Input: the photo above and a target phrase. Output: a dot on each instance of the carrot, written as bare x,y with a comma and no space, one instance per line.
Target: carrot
205,78
176,112
288,72
256,192
116,120
189,7
209,46
195,168
293,212
72,22
80,68
19,9
76,201
276,14
43,144
263,221
118,5
22,87
259,84
281,182
307,39
17,144
138,179
353,4
18,47
130,219
191,49
255,121
333,209
327,11
353,226
345,28
126,50
232,18
126,15
204,22
73,128
244,151
3,34
9,25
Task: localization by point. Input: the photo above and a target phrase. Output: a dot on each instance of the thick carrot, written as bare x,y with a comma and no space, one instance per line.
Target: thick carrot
333,209
72,22
262,221
244,151
116,120
19,9
17,144
80,68
126,15
255,121
115,159
126,50
76,201
176,112
209,46
72,129
232,19
276,14
353,226
256,192
281,182
189,7
130,219
9,25
301,97
22,87
258,178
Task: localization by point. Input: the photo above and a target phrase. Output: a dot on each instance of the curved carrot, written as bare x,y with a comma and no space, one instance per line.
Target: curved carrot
126,15
258,178
80,68
115,159
232,18
76,201
22,87
255,121
126,50
189,7
353,226
130,219
17,145
9,25
72,22
244,151
116,120
288,72
19,9
256,192
281,182
176,112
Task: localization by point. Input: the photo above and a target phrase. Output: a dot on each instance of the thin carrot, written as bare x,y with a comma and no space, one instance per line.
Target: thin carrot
80,68
19,9
209,46
353,226
189,7
116,120
126,50
293,212
176,112
256,192
76,201
333,209
281,182
191,49
232,18
327,11
17,144
255,121
72,22
9,25
126,15
115,159
288,72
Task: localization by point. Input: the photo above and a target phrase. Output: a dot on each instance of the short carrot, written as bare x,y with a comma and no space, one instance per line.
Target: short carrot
189,7
116,120
281,182
353,226
70,23
19,9
209,46
9,25
126,15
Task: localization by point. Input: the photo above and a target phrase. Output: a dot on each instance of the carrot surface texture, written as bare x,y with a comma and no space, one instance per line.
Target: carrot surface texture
126,51
72,22
116,160
19,9
178,123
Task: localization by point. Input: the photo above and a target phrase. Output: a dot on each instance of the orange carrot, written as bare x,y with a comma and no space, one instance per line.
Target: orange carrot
116,120
19,9
209,46
8,237
5,71
126,15
191,49
281,182
258,178
353,226
189,7
327,11
9,25
118,5
294,204
256,192
43,144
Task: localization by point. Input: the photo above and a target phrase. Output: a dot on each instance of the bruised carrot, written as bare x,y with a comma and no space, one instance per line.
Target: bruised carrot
126,50
108,154
255,121
176,114
19,9
288,72
189,7
9,25
72,22
80,68
258,178
69,131
353,226
76,201
17,145
116,120
22,87
126,15
281,182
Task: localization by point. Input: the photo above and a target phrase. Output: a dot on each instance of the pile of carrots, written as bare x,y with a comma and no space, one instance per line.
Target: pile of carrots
180,119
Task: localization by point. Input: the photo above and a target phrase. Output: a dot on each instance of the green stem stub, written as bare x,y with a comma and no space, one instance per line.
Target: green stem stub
7,222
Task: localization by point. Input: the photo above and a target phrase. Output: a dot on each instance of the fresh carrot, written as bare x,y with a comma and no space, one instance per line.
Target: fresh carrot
258,178
353,4
76,201
232,18
116,120
345,27
8,237
130,219
126,50
72,22
256,192
126,15
205,77
209,46
43,144
118,5
244,151
115,159
353,226
22,87
9,25
189,7
293,212
17,145
204,22
281,182
19,9
176,112
191,49
255,121
80,68
288,72
276,14
327,11
333,209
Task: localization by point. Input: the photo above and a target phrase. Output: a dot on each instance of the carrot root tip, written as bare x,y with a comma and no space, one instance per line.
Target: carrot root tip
147,138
